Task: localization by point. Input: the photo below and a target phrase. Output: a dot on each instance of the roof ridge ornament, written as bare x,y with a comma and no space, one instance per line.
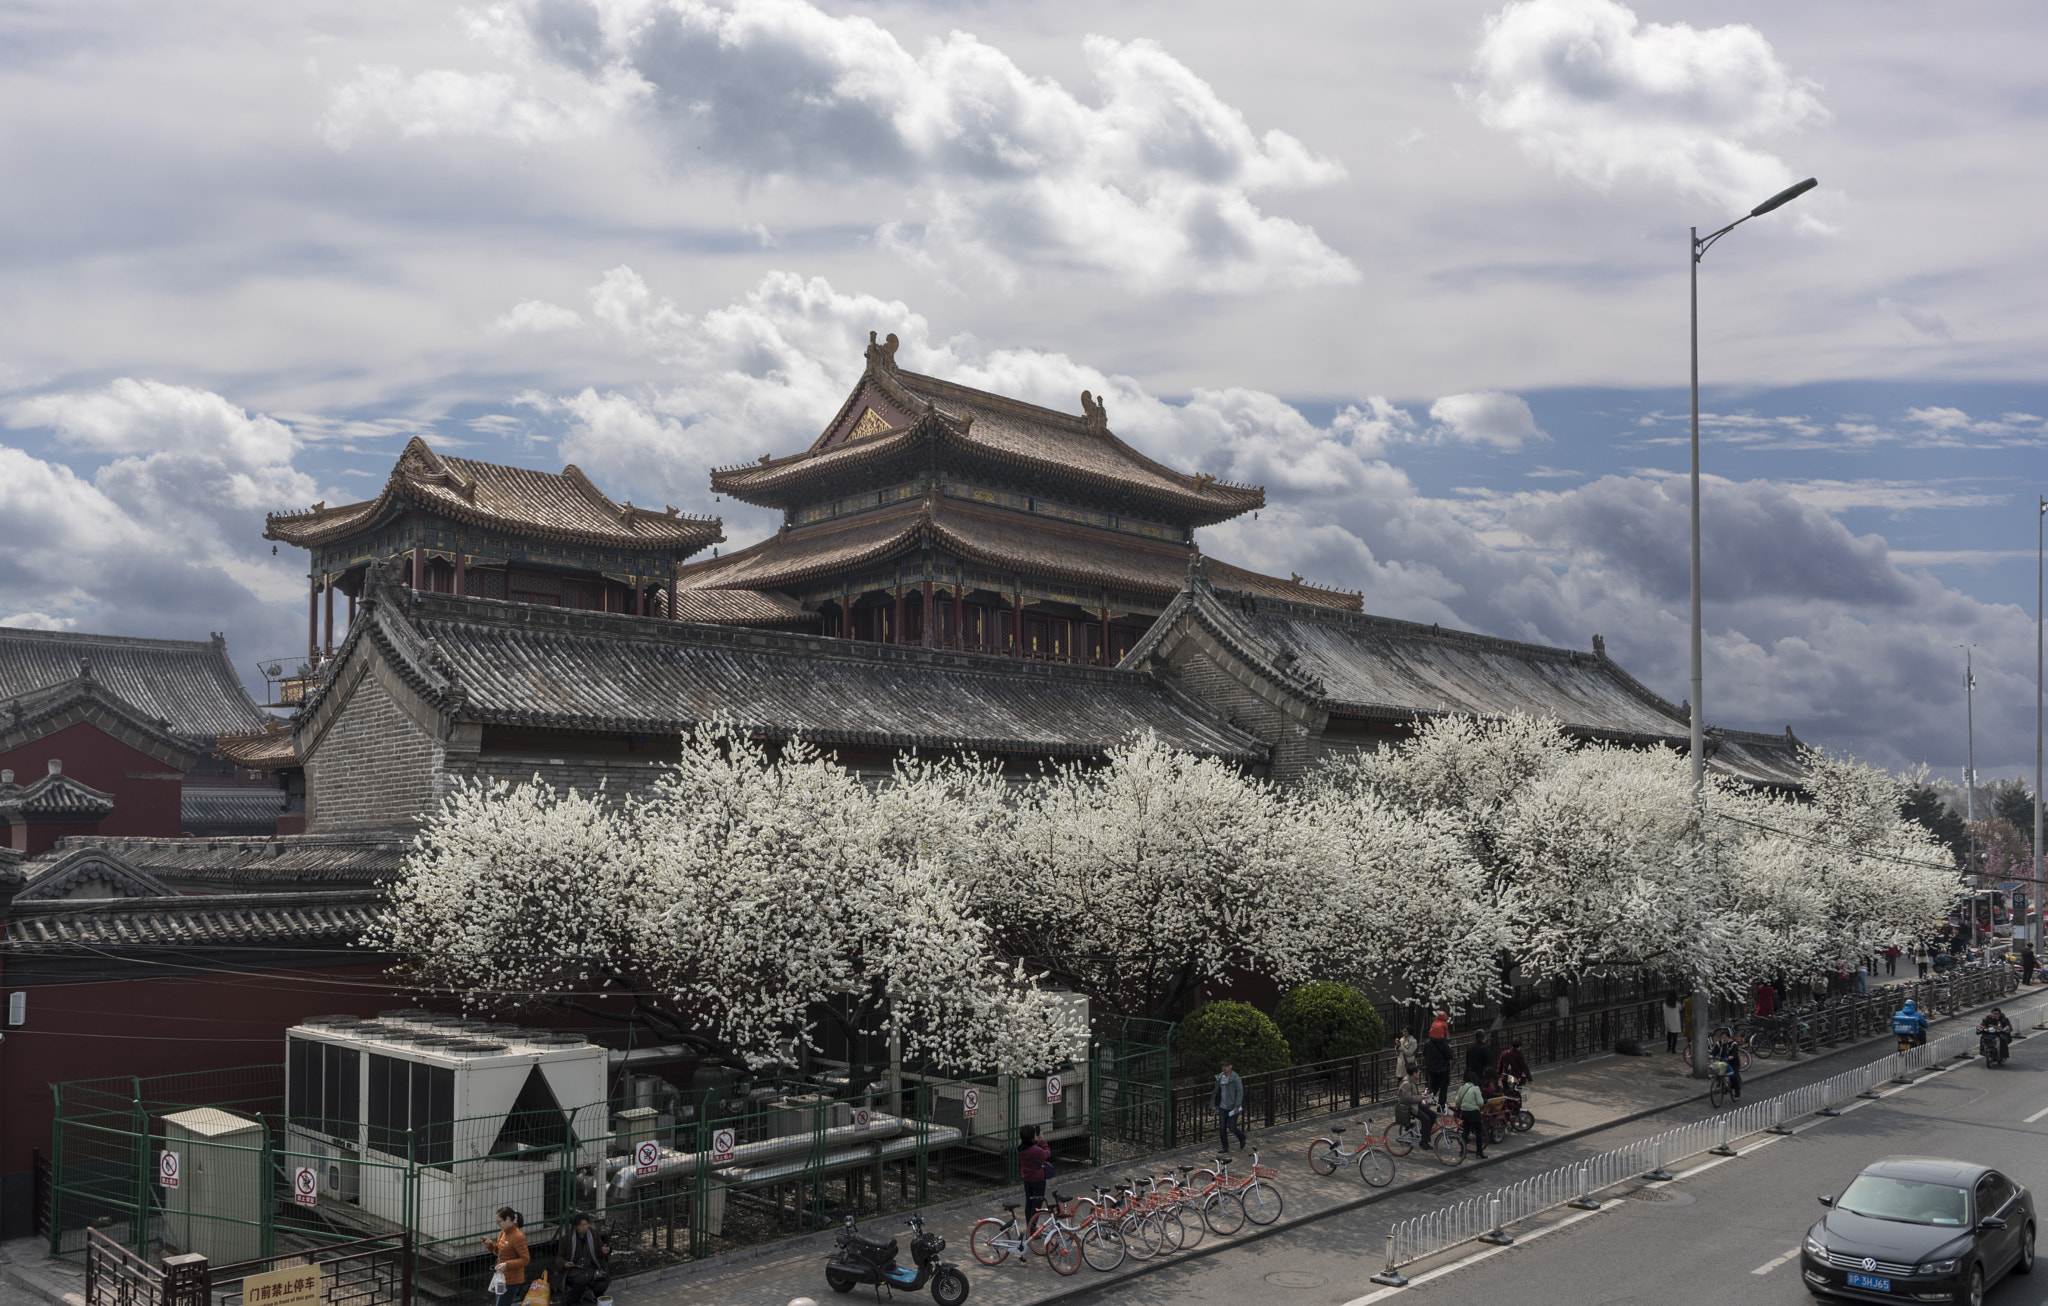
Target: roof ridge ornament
1198,571
1095,413
882,357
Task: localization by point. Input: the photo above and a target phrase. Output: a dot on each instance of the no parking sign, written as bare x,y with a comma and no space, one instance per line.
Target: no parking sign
646,1158
970,1103
167,1169
722,1144
1052,1089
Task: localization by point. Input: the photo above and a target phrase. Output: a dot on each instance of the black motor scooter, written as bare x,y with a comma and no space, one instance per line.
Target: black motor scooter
861,1259
1991,1043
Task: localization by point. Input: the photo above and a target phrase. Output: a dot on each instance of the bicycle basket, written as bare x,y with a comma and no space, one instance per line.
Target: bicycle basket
1264,1172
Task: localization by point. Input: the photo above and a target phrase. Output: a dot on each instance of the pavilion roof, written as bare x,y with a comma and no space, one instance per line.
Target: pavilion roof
992,537
517,500
548,668
55,797
165,687
894,415
738,607
260,750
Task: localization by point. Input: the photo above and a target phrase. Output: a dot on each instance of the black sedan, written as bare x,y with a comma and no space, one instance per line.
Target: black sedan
1918,1228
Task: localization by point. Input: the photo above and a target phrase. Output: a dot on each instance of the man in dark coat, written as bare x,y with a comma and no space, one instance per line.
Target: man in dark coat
1436,1059
1478,1060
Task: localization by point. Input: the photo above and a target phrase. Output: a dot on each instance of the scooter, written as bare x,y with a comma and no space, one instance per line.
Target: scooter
861,1259
1993,1047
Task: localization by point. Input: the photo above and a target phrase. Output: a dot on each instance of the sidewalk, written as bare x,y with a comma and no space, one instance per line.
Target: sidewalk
1569,1102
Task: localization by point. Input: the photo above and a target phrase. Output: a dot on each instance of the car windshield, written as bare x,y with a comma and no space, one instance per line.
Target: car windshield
1906,1200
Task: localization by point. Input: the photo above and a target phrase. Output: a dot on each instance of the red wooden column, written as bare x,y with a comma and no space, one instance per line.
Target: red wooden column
896,631
328,643
419,568
1107,660
927,628
636,596
959,616
313,619
675,587
1017,622
461,574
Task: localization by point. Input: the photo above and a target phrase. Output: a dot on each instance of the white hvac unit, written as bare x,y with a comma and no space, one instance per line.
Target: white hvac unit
488,1114
216,1206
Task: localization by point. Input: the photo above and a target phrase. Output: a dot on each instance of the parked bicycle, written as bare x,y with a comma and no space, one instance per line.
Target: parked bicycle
1257,1194
1373,1156
994,1241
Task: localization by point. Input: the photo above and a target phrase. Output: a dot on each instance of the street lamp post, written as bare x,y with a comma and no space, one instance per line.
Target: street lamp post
1695,251
2034,890
1970,764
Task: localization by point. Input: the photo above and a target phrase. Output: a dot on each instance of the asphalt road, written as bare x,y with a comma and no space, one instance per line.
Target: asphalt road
1721,1235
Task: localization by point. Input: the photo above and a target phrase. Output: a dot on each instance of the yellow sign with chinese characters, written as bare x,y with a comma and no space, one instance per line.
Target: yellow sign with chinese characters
298,1286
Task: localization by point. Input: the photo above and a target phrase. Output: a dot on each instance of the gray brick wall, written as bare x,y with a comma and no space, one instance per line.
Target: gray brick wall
1207,672
620,776
375,768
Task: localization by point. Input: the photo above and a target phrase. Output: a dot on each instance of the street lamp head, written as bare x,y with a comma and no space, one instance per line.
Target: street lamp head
1785,196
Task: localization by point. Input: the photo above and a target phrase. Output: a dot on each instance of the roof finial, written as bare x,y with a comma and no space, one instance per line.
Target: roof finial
882,357
1599,647
85,669
1096,413
1198,569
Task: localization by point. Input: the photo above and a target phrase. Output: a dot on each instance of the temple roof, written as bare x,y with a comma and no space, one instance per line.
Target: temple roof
56,798
893,414
241,864
336,919
514,665
260,750
737,607
229,809
171,687
89,873
516,500
1764,760
991,537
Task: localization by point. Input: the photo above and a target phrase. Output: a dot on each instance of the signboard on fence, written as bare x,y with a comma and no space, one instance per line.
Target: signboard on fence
722,1143
167,1168
298,1286
306,1186
646,1158
970,1103
861,1119
1053,1089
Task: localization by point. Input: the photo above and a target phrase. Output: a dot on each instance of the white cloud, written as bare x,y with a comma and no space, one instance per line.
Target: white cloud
992,171
144,417
1601,96
1487,417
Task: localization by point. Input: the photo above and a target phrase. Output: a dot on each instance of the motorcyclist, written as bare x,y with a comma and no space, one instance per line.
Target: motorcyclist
1998,1023
1909,1023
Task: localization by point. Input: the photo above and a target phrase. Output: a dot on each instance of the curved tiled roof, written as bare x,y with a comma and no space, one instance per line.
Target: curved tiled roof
548,668
262,750
110,874
185,687
737,607
1009,431
206,864
330,920
229,810
989,536
517,500
1764,760
56,798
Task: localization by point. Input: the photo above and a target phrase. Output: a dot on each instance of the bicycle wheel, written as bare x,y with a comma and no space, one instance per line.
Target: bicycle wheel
1525,1121
1102,1246
1497,1132
1063,1251
1223,1213
1323,1156
1191,1224
1175,1227
1742,1058
982,1241
1144,1236
1717,1088
1449,1145
1261,1202
1375,1167
1400,1140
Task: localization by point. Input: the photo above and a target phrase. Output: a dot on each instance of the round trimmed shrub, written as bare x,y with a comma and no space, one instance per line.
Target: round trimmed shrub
1323,1021
1236,1032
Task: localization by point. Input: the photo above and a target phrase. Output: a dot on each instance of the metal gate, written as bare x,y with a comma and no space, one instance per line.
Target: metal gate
365,1272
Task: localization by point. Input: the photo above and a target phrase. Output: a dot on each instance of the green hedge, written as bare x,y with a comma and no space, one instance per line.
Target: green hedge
1323,1021
1237,1032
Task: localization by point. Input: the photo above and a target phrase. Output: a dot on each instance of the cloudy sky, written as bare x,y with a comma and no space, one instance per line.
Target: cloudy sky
1417,269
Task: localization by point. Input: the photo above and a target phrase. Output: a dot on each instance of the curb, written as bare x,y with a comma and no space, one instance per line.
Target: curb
19,1276
1240,1239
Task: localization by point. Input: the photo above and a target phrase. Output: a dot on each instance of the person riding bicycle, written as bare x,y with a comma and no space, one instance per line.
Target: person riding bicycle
1513,1065
1909,1023
1998,1023
1411,1105
1726,1050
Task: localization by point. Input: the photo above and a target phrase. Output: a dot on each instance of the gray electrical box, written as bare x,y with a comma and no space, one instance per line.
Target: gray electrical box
217,1207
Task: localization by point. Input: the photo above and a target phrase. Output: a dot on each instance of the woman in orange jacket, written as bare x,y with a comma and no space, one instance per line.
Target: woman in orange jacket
510,1249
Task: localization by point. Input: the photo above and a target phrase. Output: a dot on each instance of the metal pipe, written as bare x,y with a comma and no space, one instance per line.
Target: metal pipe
652,1056
621,1168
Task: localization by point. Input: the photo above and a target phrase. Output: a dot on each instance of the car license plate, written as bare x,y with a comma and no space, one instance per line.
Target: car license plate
1870,1282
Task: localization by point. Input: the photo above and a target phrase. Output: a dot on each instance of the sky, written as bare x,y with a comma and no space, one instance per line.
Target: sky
1418,270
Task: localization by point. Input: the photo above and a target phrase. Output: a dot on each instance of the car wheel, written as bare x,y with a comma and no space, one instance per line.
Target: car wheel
1973,1295
2025,1264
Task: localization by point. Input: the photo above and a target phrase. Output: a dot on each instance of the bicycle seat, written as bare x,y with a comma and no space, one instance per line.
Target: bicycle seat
1009,1206
1338,1130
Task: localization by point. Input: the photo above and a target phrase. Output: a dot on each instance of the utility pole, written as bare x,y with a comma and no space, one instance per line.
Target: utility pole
2034,890
1696,249
1970,769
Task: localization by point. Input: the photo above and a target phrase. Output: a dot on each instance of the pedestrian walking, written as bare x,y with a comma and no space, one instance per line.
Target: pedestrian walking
1891,960
1766,1000
1862,980
1229,1107
1411,1105
1672,1016
1436,1059
1470,1101
510,1249
1407,1053
1034,1167
1479,1059
2027,963
1922,956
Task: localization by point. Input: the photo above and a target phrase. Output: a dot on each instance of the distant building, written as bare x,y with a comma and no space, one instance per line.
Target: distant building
105,734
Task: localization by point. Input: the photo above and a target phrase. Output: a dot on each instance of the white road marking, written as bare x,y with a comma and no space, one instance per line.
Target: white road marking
1441,1270
1775,1262
2037,1115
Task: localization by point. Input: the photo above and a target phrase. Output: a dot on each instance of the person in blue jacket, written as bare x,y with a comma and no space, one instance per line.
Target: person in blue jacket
1910,1022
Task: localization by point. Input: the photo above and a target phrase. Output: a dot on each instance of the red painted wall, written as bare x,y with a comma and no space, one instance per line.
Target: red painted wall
144,802
160,1026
